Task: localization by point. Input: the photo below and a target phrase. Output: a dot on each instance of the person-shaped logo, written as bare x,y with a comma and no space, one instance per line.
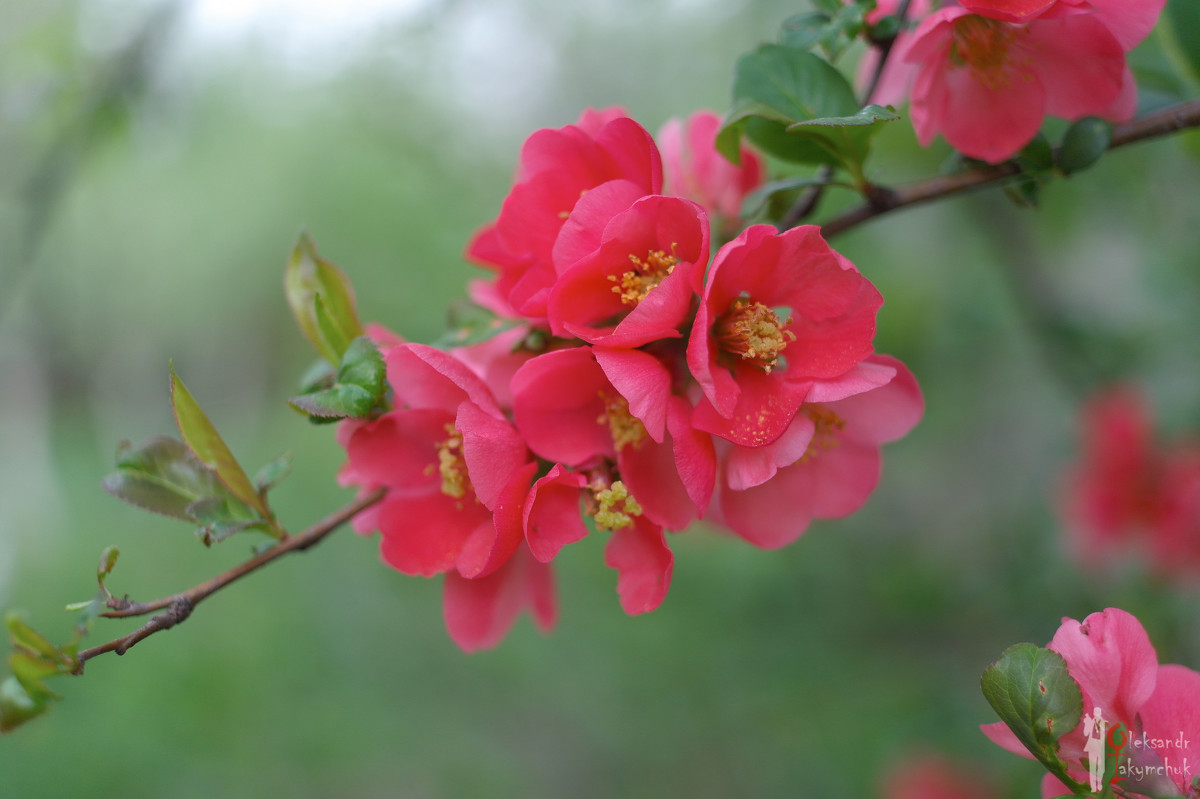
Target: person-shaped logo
1094,729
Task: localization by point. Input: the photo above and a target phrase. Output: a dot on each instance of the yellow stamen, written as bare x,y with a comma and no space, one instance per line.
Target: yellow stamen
451,465
634,285
753,332
624,426
825,437
615,507
984,46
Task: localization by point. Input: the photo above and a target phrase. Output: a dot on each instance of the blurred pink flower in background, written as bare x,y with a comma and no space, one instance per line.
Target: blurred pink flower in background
692,168
934,776
1127,495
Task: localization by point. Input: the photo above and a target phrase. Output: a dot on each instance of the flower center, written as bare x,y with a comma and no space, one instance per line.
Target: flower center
624,426
825,437
451,465
983,45
753,332
615,507
633,286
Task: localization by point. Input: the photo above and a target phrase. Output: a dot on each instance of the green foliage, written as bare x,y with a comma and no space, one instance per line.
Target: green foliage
206,443
24,696
1031,690
833,28
322,301
355,391
797,107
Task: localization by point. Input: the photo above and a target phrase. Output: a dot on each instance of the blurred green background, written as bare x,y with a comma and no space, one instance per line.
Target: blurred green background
157,161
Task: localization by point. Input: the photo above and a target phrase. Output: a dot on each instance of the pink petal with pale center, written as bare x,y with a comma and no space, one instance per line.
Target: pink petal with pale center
480,612
644,563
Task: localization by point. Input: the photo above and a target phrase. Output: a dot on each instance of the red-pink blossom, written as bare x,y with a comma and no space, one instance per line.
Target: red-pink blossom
557,167
1130,495
986,84
1110,656
778,311
833,465
637,286
586,407
932,776
479,612
693,168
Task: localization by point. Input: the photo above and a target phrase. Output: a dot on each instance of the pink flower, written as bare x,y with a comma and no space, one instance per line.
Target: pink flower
833,459
459,478
755,362
456,469
557,167
934,777
986,84
637,286
988,73
1110,656
586,407
480,612
1128,494
693,168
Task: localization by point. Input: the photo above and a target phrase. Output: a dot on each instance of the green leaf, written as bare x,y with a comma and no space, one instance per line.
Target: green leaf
1033,693
776,87
162,476
337,402
322,301
18,706
803,31
200,435
108,560
359,386
272,473
363,366
28,639
30,670
1083,144
849,135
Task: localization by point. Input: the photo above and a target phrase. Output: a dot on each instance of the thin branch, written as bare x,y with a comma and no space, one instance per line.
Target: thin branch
178,608
883,200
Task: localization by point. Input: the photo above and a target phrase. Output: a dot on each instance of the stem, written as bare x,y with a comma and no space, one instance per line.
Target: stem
882,200
179,607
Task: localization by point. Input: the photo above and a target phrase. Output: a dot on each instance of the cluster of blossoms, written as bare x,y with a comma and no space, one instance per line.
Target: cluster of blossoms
644,379
1128,495
1110,656
984,74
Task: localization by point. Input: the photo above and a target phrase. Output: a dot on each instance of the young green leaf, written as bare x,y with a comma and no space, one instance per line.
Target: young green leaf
777,87
269,475
200,435
162,476
322,301
1033,693
359,386
28,639
17,705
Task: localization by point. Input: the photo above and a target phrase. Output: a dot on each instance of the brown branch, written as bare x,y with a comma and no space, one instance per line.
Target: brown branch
881,200
178,608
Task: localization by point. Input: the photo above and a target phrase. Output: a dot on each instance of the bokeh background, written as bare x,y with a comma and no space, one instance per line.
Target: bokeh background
158,160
